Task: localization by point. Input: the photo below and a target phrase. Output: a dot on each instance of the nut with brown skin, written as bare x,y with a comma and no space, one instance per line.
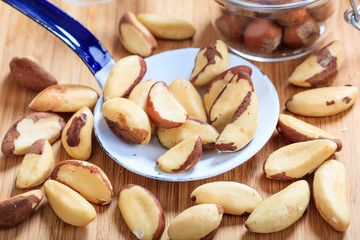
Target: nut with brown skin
303,34
30,74
64,98
210,61
182,157
142,212
140,93
262,35
235,198
296,160
291,18
231,26
135,37
197,222
321,102
85,178
36,165
15,210
24,132
127,120
317,69
296,130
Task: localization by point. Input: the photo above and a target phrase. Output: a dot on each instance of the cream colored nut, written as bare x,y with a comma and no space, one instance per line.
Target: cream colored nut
77,134
296,130
167,26
197,222
142,212
235,93
15,210
172,136
296,160
64,98
280,210
134,37
330,194
210,61
124,76
85,178
235,198
24,132
189,98
317,69
242,126
219,82
182,157
69,205
140,93
36,165
30,74
321,102
163,108
127,120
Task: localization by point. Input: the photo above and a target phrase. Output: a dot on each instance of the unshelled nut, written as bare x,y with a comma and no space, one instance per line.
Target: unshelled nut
210,61
64,98
30,74
321,102
197,222
235,198
142,212
167,26
330,194
24,132
291,18
303,34
296,130
127,120
76,137
85,178
182,157
69,205
36,165
280,210
135,37
15,210
296,160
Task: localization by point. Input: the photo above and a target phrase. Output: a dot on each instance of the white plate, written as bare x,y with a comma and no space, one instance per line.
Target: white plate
141,159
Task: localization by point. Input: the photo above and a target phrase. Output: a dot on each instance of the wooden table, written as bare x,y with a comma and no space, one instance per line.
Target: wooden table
21,36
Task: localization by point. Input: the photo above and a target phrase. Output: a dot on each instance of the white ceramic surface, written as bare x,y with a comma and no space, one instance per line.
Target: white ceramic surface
141,159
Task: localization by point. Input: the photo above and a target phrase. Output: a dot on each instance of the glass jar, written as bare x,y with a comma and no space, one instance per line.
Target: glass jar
273,30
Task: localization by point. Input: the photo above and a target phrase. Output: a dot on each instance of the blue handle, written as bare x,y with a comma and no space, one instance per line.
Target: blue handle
76,36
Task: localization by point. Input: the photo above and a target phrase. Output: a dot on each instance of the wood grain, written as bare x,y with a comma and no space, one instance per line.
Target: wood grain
21,36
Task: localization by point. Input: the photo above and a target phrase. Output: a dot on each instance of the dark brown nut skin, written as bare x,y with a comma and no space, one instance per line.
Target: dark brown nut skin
302,34
29,74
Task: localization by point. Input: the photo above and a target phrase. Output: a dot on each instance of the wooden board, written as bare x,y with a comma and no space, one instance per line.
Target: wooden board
21,36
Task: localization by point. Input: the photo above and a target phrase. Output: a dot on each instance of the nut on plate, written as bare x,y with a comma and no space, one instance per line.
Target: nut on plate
76,137
135,37
24,132
182,157
167,26
64,98
140,93
296,130
142,212
15,210
30,74
322,102
36,165
69,205
210,61
235,198
296,160
197,222
317,69
280,210
127,120
85,178
330,194
124,76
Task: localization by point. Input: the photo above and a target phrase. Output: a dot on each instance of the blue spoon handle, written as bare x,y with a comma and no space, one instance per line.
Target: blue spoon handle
70,31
